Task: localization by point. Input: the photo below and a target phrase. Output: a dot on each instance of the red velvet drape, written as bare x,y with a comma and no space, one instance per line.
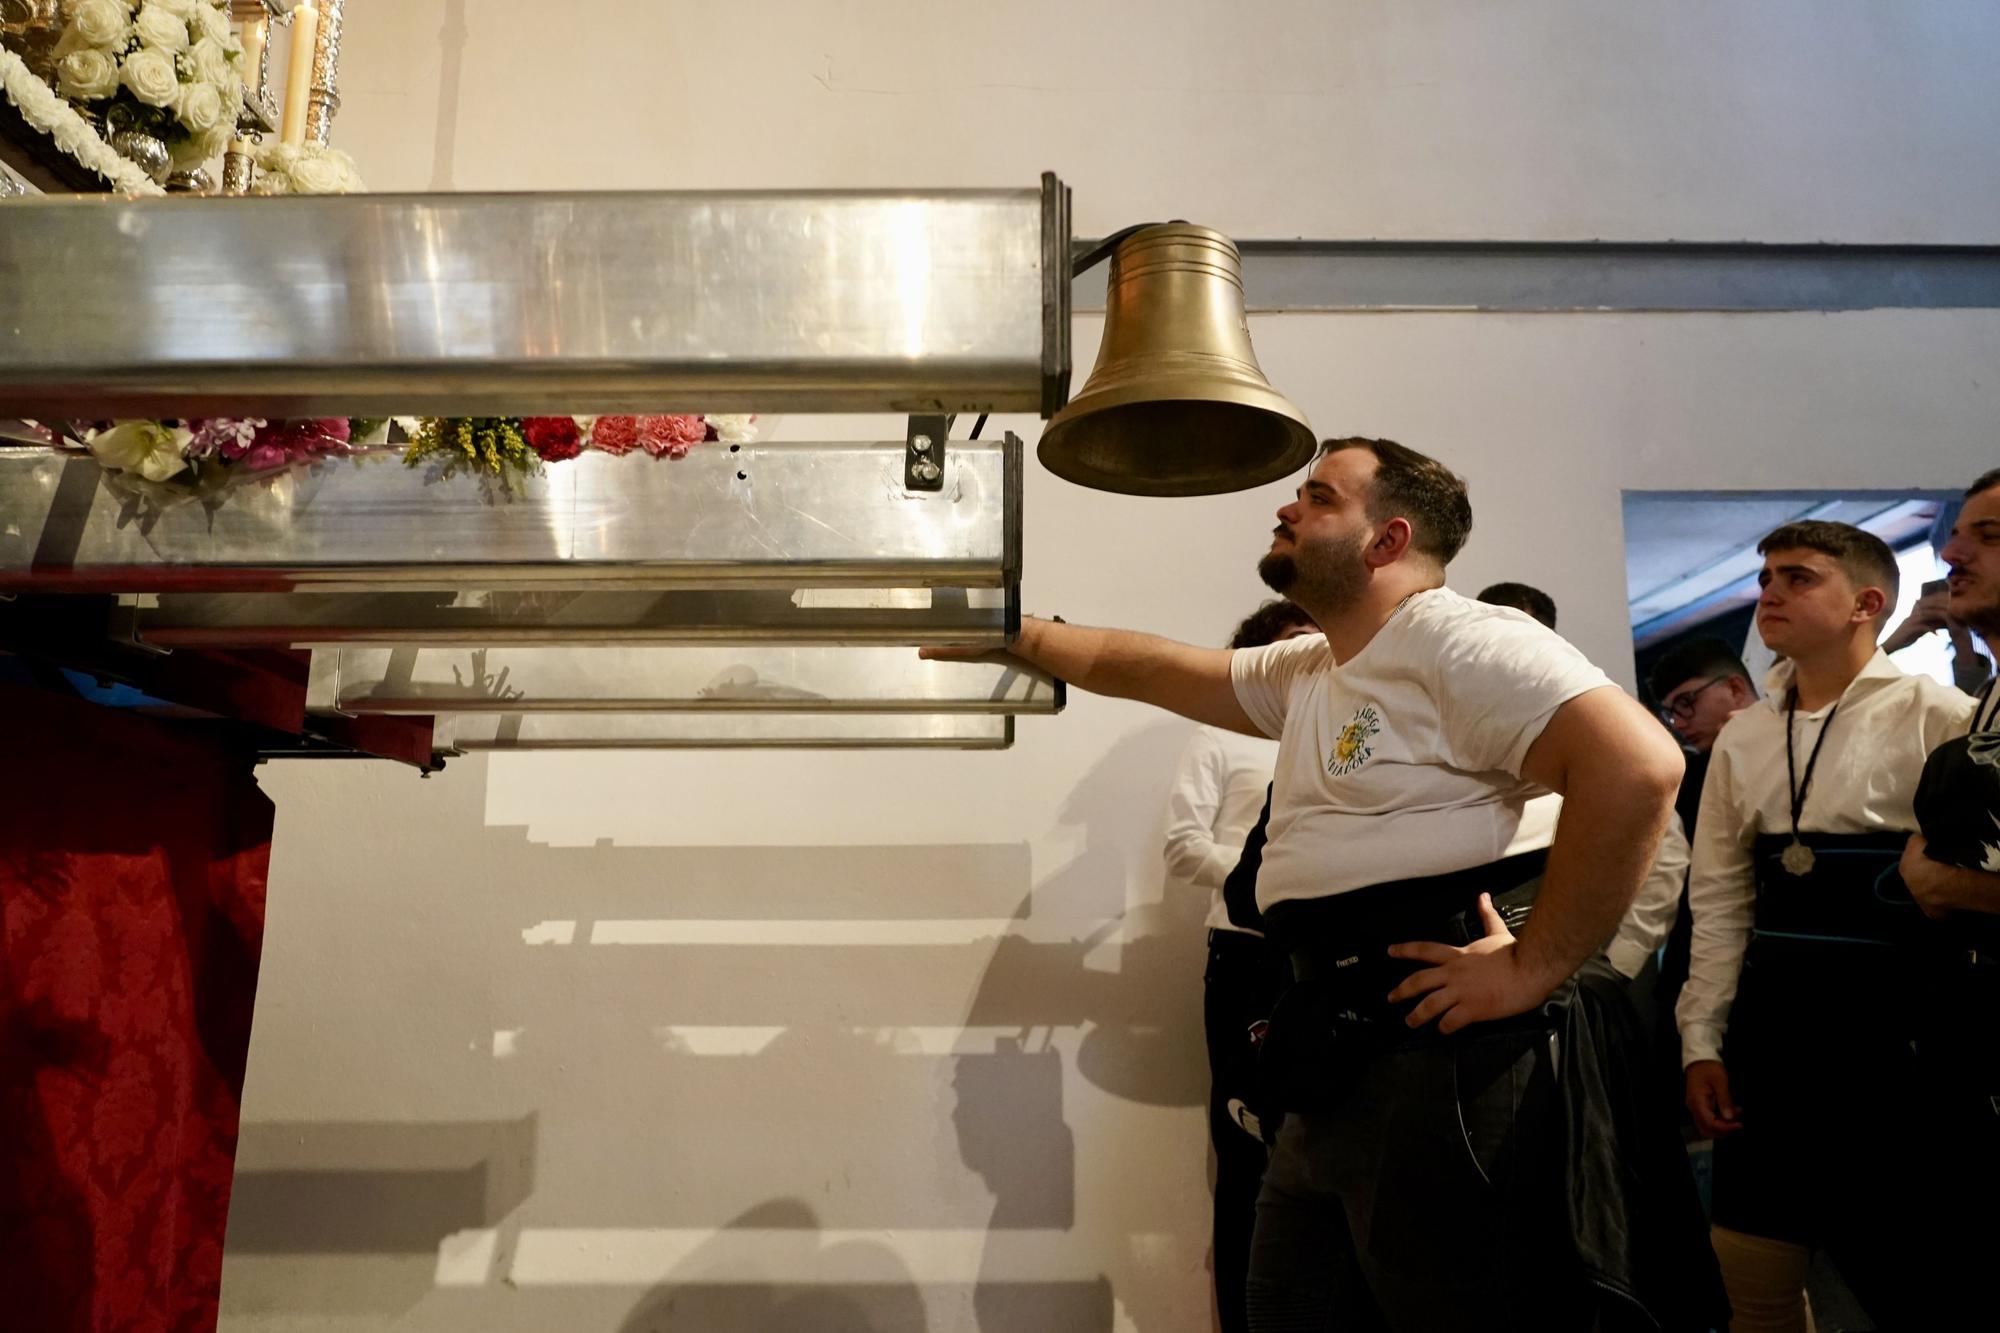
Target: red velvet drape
133,855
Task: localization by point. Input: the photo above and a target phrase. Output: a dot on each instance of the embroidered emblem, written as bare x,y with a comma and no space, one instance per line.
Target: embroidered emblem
1355,744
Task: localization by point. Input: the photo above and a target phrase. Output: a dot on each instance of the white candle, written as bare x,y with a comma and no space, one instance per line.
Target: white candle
298,77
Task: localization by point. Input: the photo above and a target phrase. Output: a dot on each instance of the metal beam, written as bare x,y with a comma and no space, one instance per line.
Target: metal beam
680,731
1599,276
695,679
469,304
770,516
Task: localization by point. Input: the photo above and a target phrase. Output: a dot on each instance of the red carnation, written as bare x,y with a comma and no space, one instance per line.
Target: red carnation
671,435
615,435
553,438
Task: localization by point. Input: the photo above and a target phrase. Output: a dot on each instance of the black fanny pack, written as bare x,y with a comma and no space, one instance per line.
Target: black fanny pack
1337,1013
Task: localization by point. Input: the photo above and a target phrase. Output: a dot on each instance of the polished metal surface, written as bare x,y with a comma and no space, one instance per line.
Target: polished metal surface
484,304
1176,403
778,516
972,618
737,679
698,731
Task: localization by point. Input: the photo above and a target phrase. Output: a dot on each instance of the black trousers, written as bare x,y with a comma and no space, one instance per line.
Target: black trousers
1244,979
1428,1199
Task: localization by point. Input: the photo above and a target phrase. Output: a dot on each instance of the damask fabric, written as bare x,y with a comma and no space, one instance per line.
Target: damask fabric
133,855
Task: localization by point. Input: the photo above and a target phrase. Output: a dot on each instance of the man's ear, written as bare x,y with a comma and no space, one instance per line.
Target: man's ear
1871,603
1391,544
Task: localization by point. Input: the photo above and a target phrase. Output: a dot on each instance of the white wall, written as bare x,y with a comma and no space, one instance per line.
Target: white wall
971,1096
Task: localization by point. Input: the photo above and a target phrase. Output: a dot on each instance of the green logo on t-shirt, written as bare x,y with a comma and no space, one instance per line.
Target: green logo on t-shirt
1354,746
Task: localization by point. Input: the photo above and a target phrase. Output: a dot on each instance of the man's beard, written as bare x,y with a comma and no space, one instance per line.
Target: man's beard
1323,577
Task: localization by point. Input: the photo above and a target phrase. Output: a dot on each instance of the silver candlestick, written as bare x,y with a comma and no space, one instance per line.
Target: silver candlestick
325,96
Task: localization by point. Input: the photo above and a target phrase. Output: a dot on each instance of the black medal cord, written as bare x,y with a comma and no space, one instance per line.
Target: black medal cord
1797,789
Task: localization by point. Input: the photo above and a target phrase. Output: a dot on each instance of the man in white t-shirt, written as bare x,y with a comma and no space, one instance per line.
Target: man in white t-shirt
1218,792
1421,1184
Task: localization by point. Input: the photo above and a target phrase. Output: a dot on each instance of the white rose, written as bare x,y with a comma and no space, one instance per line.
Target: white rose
179,8
151,77
318,175
87,75
161,29
98,23
211,62
153,451
210,22
200,107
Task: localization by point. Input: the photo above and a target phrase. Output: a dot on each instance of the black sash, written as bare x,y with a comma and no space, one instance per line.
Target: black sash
1852,895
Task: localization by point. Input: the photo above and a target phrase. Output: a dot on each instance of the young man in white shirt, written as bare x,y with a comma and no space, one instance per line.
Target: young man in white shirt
1417,1182
1802,946
1218,792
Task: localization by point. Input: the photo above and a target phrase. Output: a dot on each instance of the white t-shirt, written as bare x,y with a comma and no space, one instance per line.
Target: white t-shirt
1405,760
1217,795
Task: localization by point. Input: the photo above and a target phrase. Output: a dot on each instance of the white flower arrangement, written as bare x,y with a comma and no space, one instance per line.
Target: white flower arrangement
41,107
168,68
310,168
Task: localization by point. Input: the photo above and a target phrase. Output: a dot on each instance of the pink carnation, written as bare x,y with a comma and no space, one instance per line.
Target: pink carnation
615,435
671,435
264,457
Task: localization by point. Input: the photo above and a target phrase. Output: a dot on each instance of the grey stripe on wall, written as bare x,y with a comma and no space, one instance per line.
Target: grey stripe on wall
1306,275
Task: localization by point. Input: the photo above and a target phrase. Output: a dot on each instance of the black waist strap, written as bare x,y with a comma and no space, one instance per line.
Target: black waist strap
1341,942
1848,891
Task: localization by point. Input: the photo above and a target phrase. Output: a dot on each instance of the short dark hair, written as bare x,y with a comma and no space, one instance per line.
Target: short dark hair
1522,597
1418,488
1987,481
1683,662
1267,622
1865,558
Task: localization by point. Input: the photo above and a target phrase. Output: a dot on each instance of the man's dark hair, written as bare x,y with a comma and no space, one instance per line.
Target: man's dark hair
1705,658
1267,622
1416,487
1523,598
1865,558
1987,481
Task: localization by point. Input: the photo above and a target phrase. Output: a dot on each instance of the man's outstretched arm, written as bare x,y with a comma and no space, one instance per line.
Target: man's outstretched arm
1125,664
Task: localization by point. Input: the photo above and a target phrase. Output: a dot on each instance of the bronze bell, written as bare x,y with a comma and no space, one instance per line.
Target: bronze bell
1176,404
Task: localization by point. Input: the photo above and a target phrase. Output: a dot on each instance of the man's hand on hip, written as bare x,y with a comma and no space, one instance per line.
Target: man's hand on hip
1475,984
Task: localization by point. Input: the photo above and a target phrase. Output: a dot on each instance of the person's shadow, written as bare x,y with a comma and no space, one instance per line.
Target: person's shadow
1142,1041
847,1287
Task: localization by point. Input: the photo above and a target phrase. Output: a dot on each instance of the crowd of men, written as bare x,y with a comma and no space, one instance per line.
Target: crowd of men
1486,904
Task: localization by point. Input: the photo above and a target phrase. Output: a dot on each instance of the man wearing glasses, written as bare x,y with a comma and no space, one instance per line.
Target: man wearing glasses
1700,684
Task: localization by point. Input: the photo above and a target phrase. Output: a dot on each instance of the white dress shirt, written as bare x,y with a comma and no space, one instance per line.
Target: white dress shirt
1658,901
1887,725
1216,798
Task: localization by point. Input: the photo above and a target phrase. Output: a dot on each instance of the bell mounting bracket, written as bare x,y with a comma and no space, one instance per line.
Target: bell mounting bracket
923,452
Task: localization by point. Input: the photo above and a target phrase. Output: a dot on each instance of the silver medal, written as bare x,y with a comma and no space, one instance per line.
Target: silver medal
1797,859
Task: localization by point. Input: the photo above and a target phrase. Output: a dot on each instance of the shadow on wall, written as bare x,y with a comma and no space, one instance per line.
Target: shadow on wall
850,1286
1142,1019
542,1044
